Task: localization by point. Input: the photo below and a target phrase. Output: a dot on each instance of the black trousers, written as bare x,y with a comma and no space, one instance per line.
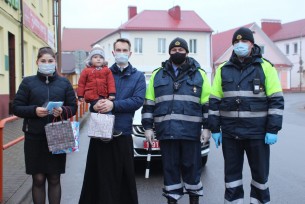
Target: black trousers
181,159
109,176
258,154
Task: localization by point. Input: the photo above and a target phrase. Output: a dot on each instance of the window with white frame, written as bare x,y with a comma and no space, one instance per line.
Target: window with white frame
193,46
295,48
287,49
138,45
161,45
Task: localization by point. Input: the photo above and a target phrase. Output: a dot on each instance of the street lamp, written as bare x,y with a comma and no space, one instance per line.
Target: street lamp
57,16
301,71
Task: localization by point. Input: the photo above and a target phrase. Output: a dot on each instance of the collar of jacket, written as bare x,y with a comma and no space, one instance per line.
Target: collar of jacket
127,71
50,78
190,66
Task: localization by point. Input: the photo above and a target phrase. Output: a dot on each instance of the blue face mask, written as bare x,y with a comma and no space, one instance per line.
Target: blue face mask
121,58
241,49
46,69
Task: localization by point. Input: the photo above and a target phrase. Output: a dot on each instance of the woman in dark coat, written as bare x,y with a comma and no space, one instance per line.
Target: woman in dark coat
33,93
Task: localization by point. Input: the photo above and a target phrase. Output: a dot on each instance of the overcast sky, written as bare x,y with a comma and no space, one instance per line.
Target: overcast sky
220,15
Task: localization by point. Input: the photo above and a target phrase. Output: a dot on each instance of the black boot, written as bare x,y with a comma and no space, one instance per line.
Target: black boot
171,201
194,199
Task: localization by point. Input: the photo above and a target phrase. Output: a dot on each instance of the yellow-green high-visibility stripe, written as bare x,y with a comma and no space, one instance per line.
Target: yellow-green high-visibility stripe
217,88
206,88
272,82
150,91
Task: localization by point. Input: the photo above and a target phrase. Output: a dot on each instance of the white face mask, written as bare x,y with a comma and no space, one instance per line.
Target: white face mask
121,58
46,69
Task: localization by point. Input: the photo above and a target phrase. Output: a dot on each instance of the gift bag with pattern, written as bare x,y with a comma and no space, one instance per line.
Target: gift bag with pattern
75,127
101,126
60,135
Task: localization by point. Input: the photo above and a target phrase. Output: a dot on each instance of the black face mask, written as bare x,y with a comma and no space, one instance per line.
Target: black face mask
178,58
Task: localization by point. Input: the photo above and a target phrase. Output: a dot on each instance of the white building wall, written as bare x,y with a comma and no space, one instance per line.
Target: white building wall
296,77
150,59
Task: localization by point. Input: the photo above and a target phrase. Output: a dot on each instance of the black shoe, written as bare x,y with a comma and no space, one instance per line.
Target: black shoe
171,201
194,199
116,133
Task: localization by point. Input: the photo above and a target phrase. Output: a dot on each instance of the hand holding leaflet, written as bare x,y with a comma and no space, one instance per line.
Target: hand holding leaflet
53,104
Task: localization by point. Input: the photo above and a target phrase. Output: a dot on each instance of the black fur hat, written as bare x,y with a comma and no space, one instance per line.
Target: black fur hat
243,34
178,42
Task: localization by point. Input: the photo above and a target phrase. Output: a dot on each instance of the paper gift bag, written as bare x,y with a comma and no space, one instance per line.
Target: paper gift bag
75,127
101,126
59,135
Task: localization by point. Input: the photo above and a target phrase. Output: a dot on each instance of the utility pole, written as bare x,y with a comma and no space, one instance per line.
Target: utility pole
301,63
58,33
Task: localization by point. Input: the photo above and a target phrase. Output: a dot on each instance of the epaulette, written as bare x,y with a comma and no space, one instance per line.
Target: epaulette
268,61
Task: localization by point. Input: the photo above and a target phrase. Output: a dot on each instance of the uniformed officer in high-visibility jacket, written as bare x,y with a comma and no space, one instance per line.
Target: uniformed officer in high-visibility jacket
176,108
245,114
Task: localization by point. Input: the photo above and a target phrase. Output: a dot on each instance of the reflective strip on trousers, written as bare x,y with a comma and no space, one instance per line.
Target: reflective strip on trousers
194,189
259,185
234,184
173,187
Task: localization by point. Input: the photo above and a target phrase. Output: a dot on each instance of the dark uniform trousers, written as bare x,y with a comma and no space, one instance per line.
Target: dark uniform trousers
258,154
181,159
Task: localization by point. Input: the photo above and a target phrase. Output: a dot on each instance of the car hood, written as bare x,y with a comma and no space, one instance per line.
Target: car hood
137,117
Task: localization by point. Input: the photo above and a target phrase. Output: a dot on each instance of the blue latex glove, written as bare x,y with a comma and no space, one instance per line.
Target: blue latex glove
270,138
217,138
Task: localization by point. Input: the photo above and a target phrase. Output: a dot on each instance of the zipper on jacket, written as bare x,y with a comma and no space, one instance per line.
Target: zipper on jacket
48,97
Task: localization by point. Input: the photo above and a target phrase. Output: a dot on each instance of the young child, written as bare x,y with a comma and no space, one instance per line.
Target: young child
96,80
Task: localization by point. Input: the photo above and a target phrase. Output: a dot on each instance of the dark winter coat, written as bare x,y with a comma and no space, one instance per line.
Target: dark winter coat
35,91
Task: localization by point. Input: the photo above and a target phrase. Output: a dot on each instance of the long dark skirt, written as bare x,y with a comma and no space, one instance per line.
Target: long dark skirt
109,177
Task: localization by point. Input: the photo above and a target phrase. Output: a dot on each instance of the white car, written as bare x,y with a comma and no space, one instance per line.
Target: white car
140,143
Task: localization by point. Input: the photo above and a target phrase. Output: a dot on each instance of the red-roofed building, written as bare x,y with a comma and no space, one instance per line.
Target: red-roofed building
222,49
76,43
290,39
74,39
151,32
